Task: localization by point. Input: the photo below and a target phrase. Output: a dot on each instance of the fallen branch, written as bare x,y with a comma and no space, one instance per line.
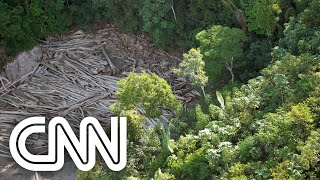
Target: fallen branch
112,66
83,103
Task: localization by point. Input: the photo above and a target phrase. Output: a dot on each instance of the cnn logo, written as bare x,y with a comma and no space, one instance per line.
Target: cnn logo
61,137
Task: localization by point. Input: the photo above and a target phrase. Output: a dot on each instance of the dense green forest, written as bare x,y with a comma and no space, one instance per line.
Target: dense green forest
255,62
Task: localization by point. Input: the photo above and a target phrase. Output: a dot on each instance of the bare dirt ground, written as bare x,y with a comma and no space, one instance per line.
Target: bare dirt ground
74,76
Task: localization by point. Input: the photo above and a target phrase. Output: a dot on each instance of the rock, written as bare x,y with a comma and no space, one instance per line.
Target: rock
22,64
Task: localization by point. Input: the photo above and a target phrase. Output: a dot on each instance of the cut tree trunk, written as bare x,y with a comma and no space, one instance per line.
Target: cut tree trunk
112,66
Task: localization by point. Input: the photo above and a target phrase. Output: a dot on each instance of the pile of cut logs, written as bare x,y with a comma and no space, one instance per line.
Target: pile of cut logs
77,76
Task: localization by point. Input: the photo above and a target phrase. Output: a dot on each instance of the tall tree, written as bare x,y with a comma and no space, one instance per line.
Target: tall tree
192,66
148,91
222,45
262,15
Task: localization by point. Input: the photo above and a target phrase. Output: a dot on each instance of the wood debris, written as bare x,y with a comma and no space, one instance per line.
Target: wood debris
77,77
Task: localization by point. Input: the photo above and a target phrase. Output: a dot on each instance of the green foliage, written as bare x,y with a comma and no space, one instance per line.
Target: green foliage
308,158
220,99
194,16
148,91
158,20
221,45
266,128
97,172
84,14
22,24
261,15
310,16
192,66
202,119
281,171
168,22
163,176
256,57
303,32
135,121
124,13
237,171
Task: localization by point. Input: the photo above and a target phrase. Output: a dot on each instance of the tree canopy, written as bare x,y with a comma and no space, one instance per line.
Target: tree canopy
148,91
262,15
222,45
192,66
264,124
